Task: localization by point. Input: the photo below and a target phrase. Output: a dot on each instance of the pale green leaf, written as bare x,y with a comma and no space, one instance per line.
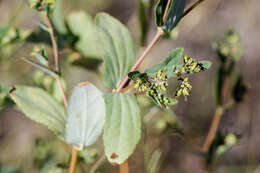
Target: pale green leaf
82,26
122,130
40,107
86,115
116,47
58,19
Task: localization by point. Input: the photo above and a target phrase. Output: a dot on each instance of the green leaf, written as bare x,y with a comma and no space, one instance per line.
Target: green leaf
40,107
58,19
174,14
122,130
86,115
169,64
159,12
41,59
205,64
116,46
40,67
144,10
82,26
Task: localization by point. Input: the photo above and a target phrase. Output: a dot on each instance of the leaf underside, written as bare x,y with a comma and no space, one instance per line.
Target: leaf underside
86,115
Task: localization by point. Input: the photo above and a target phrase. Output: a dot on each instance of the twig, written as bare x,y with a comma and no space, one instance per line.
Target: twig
73,159
65,99
53,41
56,57
141,58
192,7
213,129
124,168
154,41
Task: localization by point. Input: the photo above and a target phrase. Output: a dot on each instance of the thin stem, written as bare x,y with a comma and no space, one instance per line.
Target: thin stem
53,41
73,160
141,58
65,99
124,168
166,10
213,129
192,7
56,58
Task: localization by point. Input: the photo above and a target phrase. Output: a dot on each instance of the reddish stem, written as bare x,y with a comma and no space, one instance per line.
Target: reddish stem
141,58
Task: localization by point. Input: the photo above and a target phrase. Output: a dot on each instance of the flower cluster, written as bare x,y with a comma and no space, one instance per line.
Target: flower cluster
184,88
42,5
190,66
154,87
230,46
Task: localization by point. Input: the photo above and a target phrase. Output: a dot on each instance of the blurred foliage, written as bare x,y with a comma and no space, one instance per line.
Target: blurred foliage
221,144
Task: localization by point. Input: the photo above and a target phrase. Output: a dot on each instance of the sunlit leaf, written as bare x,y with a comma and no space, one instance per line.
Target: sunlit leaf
82,26
86,115
40,107
116,47
58,19
122,129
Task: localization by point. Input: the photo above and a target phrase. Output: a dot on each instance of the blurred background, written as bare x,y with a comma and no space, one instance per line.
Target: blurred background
26,146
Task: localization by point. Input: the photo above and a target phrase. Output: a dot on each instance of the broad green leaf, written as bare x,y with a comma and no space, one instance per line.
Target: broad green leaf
82,26
40,107
86,115
174,14
169,64
57,18
122,130
116,47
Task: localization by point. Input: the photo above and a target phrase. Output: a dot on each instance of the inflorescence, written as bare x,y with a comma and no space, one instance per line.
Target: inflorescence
155,86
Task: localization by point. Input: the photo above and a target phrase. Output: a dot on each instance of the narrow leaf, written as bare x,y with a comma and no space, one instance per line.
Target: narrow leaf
122,129
42,26
39,67
86,115
40,107
116,47
41,59
144,13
